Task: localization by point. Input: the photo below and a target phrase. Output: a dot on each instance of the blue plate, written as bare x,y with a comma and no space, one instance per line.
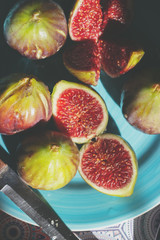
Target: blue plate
80,206
84,208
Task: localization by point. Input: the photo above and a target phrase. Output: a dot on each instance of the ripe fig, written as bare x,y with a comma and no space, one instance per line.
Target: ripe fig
78,111
47,160
118,10
109,165
24,101
119,56
36,28
140,100
85,20
82,59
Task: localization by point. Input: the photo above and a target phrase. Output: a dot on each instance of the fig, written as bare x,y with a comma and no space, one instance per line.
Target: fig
119,56
109,165
140,100
47,160
118,10
24,101
36,28
78,111
85,20
82,59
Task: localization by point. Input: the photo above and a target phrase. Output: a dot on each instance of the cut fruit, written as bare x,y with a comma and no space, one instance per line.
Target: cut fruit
78,111
82,59
85,20
109,165
120,56
117,10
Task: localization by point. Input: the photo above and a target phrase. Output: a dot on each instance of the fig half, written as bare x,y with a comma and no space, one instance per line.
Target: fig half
85,20
47,160
24,101
37,29
140,100
78,111
109,165
119,56
83,60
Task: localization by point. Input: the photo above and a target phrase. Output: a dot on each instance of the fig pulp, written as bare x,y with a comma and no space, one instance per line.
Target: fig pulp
117,10
85,20
37,29
24,101
88,18
93,20
85,59
109,165
47,160
82,59
119,56
78,111
140,100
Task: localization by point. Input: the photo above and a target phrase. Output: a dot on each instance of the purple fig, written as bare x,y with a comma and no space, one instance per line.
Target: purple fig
37,29
141,101
24,101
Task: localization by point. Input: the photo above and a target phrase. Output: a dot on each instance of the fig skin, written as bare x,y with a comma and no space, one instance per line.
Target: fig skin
24,101
47,160
140,100
36,29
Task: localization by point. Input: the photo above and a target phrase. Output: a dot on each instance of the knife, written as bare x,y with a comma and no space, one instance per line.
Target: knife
157,237
32,204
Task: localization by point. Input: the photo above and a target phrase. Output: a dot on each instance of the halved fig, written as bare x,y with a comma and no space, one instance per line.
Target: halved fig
109,165
82,59
78,111
120,56
36,28
24,101
85,20
47,160
140,100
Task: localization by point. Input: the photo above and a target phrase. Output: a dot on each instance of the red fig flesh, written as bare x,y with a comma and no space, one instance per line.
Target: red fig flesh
119,57
109,165
82,59
85,20
78,111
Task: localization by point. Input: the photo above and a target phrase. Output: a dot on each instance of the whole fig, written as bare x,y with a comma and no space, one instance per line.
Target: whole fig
140,100
36,28
47,160
24,101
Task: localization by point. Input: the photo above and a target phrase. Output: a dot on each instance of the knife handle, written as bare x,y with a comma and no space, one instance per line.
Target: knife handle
2,165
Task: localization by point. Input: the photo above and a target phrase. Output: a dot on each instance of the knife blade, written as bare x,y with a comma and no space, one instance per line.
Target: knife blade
33,205
157,237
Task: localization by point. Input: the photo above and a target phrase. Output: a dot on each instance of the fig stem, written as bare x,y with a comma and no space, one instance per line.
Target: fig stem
36,15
